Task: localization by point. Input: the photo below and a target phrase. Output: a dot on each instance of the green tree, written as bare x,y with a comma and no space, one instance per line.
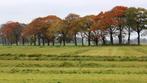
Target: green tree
130,15
141,21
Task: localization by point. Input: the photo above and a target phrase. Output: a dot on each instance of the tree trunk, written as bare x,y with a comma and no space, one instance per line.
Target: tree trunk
16,40
11,43
111,36
120,35
96,41
53,42
31,42
82,41
104,41
43,41
89,38
138,32
23,41
48,42
129,33
39,42
75,39
60,41
5,41
64,39
16,43
34,40
64,42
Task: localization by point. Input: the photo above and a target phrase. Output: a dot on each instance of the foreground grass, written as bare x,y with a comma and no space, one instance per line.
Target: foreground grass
108,64
74,78
73,67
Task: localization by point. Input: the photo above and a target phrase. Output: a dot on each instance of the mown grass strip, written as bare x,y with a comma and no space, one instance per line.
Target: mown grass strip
68,64
45,70
71,58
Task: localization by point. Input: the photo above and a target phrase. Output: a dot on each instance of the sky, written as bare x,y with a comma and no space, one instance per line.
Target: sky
25,11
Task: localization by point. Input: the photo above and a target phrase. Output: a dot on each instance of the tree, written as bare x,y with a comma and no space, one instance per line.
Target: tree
136,19
119,14
85,25
11,32
106,22
116,22
70,21
43,28
141,21
33,30
53,24
130,15
63,31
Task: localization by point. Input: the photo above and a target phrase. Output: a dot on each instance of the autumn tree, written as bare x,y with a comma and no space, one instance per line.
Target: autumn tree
33,30
99,28
106,22
85,25
119,14
53,23
70,22
11,32
42,28
116,22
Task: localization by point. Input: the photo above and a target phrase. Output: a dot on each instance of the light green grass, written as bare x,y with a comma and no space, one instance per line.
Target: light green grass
91,64
74,78
32,71
34,64
73,67
117,51
36,50
83,51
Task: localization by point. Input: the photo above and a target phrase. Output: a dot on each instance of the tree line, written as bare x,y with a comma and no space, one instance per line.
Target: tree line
117,22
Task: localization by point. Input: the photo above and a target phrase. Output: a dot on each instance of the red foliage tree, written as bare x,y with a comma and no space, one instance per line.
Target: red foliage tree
41,28
11,32
119,14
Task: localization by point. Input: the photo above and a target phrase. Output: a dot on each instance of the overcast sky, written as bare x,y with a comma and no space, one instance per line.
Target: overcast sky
25,11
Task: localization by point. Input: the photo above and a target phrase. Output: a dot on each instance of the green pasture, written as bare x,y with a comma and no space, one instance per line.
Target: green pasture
74,78
69,64
80,51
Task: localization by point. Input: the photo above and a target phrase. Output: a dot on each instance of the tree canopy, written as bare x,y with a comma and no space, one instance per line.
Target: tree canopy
97,29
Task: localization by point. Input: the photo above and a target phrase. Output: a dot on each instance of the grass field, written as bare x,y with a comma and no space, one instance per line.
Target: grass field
103,64
70,50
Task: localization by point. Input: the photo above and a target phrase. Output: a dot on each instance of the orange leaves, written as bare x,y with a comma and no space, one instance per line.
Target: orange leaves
41,25
9,28
119,11
104,20
71,23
